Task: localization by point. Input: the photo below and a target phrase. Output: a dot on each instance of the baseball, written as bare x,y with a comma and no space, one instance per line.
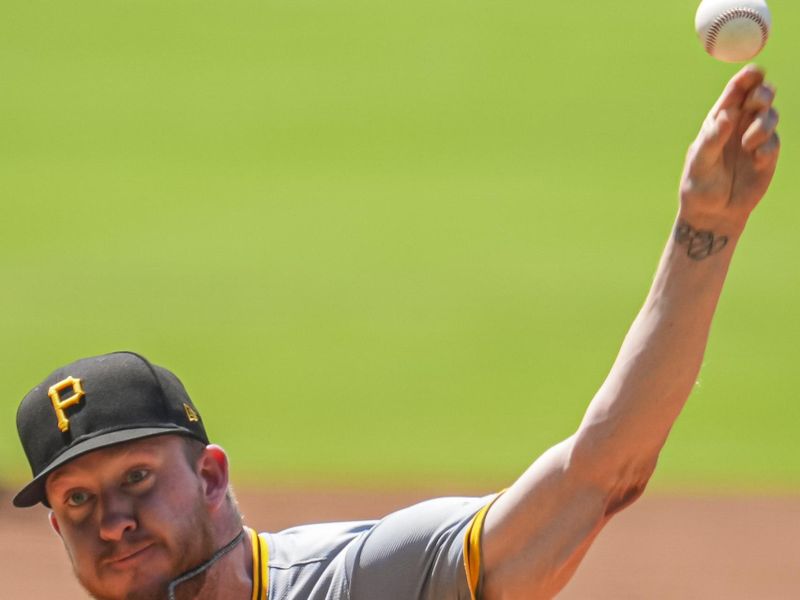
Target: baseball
733,30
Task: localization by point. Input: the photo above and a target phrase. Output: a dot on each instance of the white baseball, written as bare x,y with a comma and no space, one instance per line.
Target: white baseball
733,30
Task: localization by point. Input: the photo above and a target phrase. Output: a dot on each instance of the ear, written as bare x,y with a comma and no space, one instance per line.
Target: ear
212,468
54,522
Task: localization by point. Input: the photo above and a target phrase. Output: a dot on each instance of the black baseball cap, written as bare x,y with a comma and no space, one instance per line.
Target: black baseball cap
97,402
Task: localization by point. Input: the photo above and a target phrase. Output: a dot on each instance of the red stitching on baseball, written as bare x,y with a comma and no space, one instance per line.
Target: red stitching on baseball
730,15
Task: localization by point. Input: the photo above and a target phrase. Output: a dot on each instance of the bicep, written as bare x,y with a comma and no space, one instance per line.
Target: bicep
537,532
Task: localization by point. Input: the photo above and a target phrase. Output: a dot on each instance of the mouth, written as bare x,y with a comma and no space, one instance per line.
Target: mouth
129,557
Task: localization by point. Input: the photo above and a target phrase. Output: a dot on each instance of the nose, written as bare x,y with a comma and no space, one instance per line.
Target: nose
117,517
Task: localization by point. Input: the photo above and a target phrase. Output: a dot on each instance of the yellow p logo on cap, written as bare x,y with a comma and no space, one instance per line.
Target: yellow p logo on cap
59,403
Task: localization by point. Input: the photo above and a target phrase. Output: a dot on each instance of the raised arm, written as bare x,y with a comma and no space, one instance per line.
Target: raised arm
538,531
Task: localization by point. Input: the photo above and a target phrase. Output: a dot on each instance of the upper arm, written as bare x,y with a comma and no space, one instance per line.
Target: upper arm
537,532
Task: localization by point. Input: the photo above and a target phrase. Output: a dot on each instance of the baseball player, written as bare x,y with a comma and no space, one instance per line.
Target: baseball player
142,503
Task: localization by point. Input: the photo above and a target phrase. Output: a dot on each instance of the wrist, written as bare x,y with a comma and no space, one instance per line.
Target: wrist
726,223
713,214
699,244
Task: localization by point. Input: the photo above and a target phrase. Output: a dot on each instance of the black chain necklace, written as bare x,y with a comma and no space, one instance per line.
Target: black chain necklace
197,570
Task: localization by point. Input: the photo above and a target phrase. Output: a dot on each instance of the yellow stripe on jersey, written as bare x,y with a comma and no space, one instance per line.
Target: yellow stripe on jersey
260,565
472,549
262,539
254,541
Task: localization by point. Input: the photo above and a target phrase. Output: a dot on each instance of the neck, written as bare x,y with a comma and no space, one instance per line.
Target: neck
229,569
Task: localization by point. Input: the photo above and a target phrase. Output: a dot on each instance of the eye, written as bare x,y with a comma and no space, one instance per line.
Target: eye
77,498
136,476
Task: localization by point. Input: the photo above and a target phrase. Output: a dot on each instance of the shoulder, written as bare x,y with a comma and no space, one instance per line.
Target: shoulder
312,543
417,552
431,518
420,547
307,562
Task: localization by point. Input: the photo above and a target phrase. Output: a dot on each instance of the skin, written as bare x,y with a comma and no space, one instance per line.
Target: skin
136,515
538,531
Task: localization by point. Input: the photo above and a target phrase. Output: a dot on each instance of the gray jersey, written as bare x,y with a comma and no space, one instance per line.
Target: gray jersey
413,554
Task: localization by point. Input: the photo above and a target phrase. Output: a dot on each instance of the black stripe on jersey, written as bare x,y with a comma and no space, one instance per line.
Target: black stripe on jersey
257,568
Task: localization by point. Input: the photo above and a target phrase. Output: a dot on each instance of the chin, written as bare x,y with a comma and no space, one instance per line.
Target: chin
138,584
141,590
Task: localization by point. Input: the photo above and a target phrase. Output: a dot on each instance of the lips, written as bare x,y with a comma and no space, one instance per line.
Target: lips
128,556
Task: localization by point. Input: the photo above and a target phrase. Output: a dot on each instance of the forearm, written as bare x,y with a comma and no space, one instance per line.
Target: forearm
629,418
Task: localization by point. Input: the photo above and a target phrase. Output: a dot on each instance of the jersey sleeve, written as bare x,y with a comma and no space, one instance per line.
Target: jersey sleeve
418,553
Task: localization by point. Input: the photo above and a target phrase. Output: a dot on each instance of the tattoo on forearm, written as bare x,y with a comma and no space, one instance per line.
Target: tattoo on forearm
700,243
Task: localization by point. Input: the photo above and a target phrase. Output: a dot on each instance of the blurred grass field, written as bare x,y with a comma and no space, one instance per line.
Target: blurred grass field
380,242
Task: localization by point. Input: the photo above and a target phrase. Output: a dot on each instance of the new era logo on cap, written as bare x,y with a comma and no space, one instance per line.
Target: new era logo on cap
97,402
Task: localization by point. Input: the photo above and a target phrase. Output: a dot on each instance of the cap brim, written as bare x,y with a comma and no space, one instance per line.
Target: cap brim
34,492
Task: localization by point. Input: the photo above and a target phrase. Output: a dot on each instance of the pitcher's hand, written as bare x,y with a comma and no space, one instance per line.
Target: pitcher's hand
730,165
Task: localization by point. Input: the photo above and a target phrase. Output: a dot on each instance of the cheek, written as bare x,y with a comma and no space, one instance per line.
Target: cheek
83,548
168,505
192,539
175,518
81,538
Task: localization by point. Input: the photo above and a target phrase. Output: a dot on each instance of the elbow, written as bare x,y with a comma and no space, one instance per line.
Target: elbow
622,497
622,479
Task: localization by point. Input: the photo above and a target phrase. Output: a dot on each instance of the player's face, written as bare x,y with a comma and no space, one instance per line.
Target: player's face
132,517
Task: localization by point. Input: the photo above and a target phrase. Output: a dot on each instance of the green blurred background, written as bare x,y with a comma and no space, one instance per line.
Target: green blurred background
382,243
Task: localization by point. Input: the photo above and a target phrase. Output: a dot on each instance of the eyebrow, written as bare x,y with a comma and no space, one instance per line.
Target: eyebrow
54,478
136,451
